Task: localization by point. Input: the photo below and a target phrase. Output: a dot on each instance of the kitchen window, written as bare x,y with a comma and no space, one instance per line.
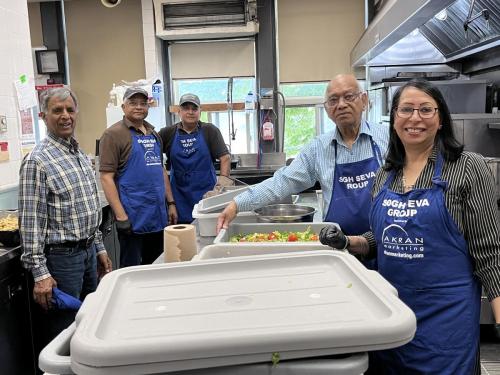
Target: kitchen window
305,116
216,91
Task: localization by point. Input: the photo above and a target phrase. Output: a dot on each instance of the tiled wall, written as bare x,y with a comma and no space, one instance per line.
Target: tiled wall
8,197
15,60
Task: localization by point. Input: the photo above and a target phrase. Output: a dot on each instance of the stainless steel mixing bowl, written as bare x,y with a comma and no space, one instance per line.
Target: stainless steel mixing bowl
285,213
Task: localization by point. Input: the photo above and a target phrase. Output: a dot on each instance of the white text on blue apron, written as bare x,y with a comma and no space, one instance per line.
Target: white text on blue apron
397,243
357,182
187,145
150,156
404,209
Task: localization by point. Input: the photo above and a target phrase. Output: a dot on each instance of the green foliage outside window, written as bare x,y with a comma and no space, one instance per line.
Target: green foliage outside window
300,121
300,129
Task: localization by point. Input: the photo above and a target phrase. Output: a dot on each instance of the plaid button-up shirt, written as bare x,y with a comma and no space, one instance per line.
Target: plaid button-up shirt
58,201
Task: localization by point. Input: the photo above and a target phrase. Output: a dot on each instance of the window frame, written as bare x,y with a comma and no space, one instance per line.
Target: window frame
214,116
315,102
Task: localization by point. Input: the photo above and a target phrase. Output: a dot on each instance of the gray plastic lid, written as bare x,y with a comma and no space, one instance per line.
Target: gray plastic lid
220,312
220,201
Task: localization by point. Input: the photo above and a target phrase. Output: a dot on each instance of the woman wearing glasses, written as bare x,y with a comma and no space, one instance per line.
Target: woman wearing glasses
435,234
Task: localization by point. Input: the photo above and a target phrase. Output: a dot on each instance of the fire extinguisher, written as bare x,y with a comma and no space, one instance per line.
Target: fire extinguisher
268,131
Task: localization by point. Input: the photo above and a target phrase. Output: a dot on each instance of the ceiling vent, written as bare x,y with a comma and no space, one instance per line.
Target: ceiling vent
205,19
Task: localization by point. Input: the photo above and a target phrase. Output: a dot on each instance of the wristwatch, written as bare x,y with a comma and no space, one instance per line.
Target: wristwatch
171,203
347,244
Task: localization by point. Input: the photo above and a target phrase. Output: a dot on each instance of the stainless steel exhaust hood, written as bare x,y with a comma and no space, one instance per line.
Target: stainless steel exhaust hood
446,30
427,32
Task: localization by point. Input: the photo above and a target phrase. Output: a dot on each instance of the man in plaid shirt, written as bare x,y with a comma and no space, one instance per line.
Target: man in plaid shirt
59,216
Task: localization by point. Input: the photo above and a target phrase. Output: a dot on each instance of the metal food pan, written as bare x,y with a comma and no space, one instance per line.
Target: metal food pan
10,238
246,228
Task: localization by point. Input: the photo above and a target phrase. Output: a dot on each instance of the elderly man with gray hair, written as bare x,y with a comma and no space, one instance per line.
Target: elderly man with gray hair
344,161
59,216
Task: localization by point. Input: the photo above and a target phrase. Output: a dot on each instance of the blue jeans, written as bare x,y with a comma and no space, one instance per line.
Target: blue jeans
75,271
136,249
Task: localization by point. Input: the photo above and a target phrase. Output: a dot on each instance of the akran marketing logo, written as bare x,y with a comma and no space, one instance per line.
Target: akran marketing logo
396,242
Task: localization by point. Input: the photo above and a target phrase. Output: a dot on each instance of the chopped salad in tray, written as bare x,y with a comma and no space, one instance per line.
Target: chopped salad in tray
276,236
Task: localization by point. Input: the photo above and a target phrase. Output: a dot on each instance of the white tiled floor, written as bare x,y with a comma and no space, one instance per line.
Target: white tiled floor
490,352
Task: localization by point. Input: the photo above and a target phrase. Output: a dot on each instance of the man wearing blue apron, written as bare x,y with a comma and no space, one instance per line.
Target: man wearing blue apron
135,182
191,147
413,255
343,161
351,200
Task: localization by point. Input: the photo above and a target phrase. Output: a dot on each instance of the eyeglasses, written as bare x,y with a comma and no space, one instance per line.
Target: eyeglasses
138,104
348,98
424,112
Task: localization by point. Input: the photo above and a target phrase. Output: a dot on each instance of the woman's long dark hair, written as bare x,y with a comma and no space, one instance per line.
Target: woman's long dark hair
447,143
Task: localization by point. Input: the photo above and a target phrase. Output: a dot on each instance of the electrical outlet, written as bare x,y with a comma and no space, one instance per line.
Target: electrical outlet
266,98
266,103
3,123
266,93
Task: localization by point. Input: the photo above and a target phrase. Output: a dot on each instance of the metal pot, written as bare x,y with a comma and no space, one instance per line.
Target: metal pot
9,237
285,213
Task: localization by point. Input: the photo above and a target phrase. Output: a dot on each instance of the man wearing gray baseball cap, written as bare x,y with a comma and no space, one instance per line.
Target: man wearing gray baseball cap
191,147
190,98
135,182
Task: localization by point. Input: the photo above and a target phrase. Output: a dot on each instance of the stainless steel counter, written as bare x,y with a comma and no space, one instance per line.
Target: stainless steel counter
8,253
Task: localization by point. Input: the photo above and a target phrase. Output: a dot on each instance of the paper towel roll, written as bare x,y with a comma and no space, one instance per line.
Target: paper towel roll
179,242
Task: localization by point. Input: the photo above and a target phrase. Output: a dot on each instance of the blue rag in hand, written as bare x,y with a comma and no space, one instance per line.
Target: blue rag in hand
64,301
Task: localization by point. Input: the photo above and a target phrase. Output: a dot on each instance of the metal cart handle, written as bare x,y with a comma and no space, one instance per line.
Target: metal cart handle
55,357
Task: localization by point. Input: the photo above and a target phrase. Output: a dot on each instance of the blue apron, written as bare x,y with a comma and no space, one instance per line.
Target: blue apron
423,254
192,172
141,185
351,193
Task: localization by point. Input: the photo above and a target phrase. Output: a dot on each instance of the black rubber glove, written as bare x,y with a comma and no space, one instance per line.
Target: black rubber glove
332,236
497,330
123,226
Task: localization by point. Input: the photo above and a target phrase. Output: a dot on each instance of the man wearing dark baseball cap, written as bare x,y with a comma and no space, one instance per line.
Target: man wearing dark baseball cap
135,90
135,182
191,147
